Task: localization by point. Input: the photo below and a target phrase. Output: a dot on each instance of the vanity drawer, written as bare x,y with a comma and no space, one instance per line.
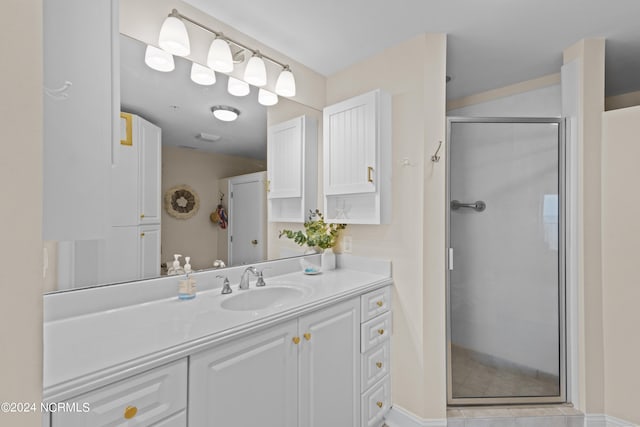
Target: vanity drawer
376,403
375,364
375,303
141,400
375,331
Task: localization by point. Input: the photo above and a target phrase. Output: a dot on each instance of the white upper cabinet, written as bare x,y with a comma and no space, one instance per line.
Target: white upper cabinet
357,159
292,169
80,85
136,173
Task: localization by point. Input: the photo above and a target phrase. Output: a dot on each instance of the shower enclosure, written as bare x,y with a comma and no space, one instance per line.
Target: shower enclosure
505,287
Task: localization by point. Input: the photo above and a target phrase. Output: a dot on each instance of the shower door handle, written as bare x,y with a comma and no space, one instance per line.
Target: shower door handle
478,206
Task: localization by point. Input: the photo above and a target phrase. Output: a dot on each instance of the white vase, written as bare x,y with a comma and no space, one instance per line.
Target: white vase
328,260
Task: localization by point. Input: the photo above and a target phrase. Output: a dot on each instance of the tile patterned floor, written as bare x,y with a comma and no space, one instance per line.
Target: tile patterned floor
526,416
478,375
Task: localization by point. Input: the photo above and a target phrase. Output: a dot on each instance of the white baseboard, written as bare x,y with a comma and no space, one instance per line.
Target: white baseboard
400,417
603,420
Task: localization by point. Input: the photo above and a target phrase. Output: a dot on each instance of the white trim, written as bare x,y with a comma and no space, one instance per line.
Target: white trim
603,420
400,417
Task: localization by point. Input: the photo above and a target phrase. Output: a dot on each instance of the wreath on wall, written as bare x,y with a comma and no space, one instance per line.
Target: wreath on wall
181,202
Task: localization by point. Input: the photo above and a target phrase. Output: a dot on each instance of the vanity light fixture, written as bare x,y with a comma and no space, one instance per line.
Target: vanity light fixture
174,39
256,73
237,87
219,57
158,59
267,98
286,83
225,113
202,75
173,35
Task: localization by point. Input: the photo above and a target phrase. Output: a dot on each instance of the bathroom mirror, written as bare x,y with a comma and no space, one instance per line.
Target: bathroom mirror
198,151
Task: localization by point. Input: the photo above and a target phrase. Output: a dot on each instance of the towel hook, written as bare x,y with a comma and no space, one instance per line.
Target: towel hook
435,158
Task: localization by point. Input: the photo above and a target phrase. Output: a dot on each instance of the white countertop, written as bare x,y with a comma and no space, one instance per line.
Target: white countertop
89,350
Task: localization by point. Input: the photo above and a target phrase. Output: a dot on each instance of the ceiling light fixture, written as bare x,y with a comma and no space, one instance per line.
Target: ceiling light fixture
173,35
158,59
208,137
225,113
267,98
202,75
174,39
256,73
237,87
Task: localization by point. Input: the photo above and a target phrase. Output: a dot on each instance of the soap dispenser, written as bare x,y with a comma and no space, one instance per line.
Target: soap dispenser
187,265
187,288
175,268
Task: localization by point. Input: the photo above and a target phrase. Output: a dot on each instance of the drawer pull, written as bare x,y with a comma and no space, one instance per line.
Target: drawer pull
381,331
380,303
379,365
307,336
296,340
379,404
141,215
369,172
130,412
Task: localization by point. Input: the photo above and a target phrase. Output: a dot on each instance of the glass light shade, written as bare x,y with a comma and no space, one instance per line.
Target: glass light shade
237,87
202,75
224,113
219,57
255,73
173,37
286,84
267,98
158,59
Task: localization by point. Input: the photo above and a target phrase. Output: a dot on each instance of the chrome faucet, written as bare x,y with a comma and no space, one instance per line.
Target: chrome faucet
244,280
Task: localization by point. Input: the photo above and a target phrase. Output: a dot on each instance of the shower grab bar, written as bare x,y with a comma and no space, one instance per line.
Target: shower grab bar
478,206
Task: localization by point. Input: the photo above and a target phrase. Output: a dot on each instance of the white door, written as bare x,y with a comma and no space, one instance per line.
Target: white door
250,382
330,367
149,251
150,172
247,219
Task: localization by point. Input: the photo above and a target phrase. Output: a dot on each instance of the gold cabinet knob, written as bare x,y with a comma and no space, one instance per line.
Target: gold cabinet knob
130,412
369,172
254,242
296,340
141,215
379,404
307,336
379,365
380,303
141,234
381,331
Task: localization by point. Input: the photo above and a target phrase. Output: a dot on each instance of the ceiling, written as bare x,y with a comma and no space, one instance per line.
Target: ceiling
182,109
491,43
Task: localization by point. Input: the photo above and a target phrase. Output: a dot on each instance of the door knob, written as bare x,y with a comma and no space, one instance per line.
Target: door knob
254,242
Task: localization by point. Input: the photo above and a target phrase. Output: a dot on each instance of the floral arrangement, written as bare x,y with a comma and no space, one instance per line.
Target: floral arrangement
318,234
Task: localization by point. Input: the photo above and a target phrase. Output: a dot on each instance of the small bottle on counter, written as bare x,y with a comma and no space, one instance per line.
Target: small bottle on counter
187,288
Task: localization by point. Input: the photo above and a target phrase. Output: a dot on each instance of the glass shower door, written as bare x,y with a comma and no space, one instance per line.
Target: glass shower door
506,272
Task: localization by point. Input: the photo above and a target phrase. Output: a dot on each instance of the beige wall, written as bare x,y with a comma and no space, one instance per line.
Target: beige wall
620,255
590,53
414,240
21,281
197,236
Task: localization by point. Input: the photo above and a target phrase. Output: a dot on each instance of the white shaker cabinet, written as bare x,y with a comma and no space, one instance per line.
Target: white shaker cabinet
81,95
304,373
136,173
292,169
357,159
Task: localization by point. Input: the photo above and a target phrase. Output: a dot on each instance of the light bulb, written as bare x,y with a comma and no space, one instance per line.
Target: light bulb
158,59
255,73
219,57
267,98
173,37
225,113
237,87
286,83
202,75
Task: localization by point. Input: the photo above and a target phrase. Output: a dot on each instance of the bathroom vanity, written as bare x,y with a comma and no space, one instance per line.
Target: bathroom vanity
301,351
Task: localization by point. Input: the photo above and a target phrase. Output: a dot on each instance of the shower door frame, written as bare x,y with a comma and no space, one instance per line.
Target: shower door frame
562,322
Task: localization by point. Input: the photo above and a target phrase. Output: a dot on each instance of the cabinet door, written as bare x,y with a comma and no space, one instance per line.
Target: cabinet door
149,251
350,142
247,383
330,367
78,117
284,157
122,254
124,175
150,147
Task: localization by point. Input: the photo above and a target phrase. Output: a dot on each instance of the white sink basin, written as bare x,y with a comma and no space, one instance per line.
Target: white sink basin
261,298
